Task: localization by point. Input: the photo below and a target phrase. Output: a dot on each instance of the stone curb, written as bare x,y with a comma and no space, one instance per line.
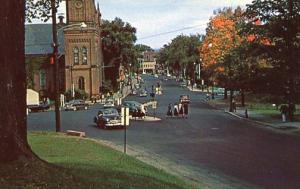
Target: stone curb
246,119
147,119
250,120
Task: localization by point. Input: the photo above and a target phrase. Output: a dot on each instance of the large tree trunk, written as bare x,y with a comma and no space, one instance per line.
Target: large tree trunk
243,97
225,93
13,129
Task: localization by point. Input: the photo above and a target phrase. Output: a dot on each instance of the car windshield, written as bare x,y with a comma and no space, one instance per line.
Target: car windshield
184,96
76,102
109,111
132,103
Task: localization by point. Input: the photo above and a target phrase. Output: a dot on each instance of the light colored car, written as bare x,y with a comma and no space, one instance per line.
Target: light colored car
109,103
143,93
134,107
75,105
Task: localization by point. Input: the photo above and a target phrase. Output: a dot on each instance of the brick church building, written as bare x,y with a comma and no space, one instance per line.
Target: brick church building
80,52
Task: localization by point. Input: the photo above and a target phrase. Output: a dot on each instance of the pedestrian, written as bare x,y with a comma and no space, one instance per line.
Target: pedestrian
207,96
143,112
283,109
175,109
233,104
170,112
185,109
180,107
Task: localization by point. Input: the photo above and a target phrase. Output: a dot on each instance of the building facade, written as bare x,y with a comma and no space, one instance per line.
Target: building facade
83,52
80,52
148,62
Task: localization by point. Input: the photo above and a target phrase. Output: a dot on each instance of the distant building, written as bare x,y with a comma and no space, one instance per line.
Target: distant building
148,62
80,52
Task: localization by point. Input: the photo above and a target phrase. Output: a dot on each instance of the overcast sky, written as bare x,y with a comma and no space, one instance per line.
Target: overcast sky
154,17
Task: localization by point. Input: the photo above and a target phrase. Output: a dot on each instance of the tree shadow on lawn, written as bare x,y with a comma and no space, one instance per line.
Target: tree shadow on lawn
39,174
115,177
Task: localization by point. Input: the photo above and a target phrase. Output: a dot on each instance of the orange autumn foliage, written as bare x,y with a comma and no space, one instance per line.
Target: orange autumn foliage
221,37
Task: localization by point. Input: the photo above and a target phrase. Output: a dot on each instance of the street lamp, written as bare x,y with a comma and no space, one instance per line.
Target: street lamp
193,76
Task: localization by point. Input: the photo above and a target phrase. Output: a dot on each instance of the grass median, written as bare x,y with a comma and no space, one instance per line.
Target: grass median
82,163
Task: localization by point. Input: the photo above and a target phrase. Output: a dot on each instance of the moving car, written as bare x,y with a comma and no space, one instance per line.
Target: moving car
108,117
134,107
184,98
75,105
143,93
109,103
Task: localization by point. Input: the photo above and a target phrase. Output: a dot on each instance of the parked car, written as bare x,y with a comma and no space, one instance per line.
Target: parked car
184,99
133,92
183,84
219,91
75,105
137,86
38,107
108,117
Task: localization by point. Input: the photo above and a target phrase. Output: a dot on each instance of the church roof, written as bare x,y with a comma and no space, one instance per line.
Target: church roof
38,39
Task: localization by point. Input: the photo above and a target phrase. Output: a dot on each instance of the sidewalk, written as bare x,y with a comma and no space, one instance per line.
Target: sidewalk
274,122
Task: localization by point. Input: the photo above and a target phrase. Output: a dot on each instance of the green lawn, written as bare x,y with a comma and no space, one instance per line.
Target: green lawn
81,163
268,109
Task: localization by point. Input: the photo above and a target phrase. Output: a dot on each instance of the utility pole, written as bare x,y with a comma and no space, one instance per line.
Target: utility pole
56,67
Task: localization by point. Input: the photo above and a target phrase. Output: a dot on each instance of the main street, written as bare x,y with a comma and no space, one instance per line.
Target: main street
213,145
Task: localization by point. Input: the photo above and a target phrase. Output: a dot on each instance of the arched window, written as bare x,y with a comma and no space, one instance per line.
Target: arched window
81,83
76,55
84,55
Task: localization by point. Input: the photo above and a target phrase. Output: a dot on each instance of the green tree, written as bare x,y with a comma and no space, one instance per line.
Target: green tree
276,23
181,54
118,40
39,9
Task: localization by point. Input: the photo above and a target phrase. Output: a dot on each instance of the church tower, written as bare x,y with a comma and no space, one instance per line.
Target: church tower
83,51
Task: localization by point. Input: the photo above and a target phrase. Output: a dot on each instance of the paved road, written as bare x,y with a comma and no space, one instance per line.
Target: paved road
208,142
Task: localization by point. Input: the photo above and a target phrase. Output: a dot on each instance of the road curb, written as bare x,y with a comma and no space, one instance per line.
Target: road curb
147,119
251,120
246,119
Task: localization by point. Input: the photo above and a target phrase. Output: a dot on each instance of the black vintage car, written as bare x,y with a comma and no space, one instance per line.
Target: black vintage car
184,99
76,105
38,107
107,118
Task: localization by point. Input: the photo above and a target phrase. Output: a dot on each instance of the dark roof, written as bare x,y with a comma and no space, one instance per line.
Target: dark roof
38,39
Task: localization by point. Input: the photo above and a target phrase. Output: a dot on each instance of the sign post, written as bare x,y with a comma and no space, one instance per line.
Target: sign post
154,106
125,123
